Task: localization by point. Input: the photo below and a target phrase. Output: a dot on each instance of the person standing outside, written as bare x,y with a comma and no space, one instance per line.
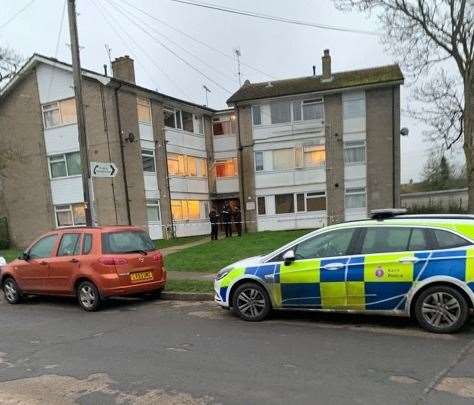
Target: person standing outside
225,215
213,219
238,220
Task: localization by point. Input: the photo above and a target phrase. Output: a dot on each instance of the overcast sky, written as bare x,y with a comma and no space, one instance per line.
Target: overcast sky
279,50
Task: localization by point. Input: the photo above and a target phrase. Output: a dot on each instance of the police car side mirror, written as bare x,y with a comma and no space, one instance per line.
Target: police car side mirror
289,257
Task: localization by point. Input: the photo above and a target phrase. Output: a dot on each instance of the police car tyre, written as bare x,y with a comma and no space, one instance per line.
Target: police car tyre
88,296
441,309
11,291
251,302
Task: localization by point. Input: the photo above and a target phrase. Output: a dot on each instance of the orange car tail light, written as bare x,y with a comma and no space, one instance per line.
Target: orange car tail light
112,260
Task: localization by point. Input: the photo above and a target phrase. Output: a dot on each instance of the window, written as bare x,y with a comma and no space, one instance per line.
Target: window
227,168
183,165
314,156
67,164
192,163
148,160
176,165
86,243
418,240
328,244
43,248
386,239
153,210
256,115
449,240
59,113
223,127
187,121
144,110
184,210
261,206
354,109
300,205
316,201
199,127
170,118
354,152
296,110
355,198
283,159
258,161
284,204
70,215
280,112
126,242
69,244
312,110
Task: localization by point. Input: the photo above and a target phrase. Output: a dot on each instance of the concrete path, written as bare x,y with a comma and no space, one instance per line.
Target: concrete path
178,248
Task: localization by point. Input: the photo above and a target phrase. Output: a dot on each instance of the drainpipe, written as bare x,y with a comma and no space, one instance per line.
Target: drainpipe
241,173
165,146
119,124
393,149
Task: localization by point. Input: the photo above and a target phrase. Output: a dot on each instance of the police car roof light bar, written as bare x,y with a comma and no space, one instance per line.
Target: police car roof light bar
386,213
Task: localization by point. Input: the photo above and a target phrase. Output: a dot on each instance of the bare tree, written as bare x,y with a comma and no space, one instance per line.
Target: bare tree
424,34
10,62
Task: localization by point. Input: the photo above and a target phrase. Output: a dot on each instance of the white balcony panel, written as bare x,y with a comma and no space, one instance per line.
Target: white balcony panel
224,143
61,139
355,136
289,131
225,155
53,83
304,220
290,178
151,185
355,172
146,131
354,214
189,185
67,190
184,139
155,230
355,183
191,228
227,185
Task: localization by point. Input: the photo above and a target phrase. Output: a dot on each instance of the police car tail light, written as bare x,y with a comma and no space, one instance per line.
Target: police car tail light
112,260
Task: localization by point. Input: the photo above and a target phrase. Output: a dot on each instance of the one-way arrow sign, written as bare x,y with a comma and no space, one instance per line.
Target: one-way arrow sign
103,169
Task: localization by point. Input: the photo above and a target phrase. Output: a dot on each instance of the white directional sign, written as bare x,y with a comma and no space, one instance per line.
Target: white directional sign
103,169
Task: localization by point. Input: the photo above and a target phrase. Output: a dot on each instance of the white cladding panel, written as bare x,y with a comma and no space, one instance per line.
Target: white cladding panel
304,220
227,185
191,228
151,185
155,230
225,143
67,190
53,83
354,172
290,178
61,139
186,140
353,214
189,185
146,131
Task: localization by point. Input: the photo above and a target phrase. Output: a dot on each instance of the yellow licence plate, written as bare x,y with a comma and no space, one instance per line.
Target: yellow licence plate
142,276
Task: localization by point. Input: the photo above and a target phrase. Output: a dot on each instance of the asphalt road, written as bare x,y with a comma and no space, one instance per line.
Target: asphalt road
165,352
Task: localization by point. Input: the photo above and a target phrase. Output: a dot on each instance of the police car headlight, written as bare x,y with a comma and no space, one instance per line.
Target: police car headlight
222,273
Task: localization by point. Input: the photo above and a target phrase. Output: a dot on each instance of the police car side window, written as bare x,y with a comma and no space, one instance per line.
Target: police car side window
330,244
449,240
386,239
418,240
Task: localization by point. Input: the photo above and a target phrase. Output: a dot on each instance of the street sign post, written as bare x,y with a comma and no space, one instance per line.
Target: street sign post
103,169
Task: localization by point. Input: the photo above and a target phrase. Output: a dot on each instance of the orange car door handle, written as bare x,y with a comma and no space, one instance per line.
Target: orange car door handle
74,261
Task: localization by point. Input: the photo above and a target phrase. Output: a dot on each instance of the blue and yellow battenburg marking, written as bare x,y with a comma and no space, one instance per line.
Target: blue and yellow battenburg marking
377,281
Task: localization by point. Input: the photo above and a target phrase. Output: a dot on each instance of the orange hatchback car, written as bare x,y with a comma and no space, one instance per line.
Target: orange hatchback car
88,263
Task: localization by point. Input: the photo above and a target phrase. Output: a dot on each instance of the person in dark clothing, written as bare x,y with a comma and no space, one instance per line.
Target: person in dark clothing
214,218
238,220
225,215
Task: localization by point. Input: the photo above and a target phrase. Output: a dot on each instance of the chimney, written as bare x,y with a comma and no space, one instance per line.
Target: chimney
327,76
123,69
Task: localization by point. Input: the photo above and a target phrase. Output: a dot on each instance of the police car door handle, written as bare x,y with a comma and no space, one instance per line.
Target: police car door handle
409,260
333,266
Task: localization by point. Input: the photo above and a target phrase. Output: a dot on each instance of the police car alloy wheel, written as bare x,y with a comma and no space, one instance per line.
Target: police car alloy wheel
11,291
441,309
251,302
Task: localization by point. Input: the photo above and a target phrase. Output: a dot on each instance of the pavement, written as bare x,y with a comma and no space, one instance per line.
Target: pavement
172,352
178,248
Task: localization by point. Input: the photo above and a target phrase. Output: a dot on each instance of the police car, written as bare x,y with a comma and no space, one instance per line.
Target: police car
411,265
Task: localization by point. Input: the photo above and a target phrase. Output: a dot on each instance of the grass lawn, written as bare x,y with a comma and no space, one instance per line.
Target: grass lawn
162,243
10,254
212,256
195,286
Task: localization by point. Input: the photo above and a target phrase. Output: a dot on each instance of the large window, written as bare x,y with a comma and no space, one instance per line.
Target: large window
284,204
66,164
262,210
183,165
153,210
259,161
283,159
144,110
172,118
354,152
355,198
187,121
221,127
126,242
386,239
70,215
307,110
280,112
314,156
256,115
312,201
59,113
184,210
227,168
148,160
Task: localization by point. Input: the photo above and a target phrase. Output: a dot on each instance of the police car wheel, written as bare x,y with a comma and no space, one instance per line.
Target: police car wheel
11,291
251,302
441,309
